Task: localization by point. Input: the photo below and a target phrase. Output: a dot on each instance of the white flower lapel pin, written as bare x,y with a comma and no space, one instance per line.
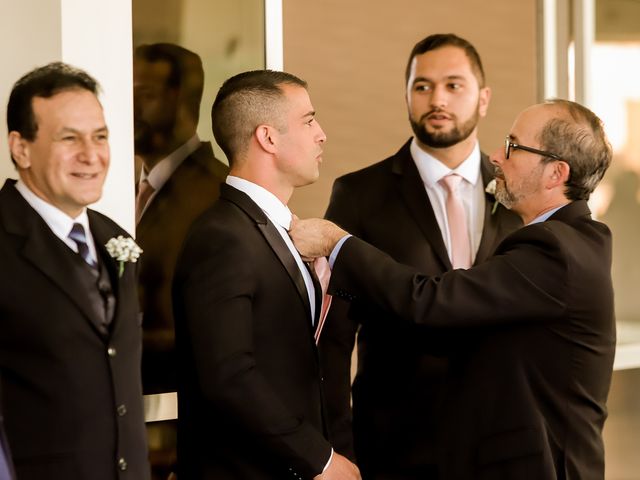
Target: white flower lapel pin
491,190
123,250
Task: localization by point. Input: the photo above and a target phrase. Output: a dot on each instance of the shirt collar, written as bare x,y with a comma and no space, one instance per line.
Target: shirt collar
59,222
433,170
277,211
161,172
545,216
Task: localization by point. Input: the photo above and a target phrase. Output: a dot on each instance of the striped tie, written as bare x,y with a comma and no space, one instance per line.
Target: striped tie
78,235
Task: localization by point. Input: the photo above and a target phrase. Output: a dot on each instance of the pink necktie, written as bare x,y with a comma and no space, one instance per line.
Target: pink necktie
457,219
321,267
145,190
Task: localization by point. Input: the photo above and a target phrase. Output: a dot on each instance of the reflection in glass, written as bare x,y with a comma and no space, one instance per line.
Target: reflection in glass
184,50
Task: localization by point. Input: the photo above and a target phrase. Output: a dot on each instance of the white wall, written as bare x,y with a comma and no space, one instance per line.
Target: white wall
90,34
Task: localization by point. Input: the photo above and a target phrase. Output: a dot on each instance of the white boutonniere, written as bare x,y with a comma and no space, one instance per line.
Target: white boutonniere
123,250
491,190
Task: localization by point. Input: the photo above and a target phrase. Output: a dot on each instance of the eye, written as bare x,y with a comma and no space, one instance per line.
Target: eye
310,121
454,86
422,87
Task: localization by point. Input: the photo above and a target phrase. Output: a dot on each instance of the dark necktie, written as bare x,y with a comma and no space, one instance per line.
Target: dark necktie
145,190
78,235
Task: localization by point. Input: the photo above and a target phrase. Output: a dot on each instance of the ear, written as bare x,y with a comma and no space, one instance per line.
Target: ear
483,101
559,174
20,149
266,136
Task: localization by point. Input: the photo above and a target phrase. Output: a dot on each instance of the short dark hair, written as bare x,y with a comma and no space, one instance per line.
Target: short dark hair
439,40
579,139
246,101
186,72
44,82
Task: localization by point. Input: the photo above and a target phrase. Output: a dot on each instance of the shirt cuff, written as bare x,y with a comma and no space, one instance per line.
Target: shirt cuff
336,249
328,462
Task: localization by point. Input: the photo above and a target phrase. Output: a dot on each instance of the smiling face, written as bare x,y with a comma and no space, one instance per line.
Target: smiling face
67,162
300,144
444,98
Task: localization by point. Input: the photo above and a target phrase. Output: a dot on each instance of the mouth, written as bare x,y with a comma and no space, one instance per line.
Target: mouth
85,176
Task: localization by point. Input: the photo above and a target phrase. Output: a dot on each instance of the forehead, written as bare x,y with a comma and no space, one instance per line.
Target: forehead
75,108
298,100
442,62
529,123
151,73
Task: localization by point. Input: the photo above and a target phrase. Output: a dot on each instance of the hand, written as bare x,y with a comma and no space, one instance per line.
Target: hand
340,469
314,237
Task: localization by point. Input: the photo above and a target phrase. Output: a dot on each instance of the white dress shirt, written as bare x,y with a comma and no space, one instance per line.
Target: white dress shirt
162,171
59,222
280,216
471,191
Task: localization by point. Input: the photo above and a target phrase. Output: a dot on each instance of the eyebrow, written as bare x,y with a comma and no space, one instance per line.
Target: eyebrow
449,77
312,113
64,130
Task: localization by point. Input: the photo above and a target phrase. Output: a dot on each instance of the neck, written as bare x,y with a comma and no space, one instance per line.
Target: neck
530,216
454,155
281,191
163,147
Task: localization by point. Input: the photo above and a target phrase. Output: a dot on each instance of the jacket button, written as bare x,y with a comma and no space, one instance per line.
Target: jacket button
122,464
112,352
122,410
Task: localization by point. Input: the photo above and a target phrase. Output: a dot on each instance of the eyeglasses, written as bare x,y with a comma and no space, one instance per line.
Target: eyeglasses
508,145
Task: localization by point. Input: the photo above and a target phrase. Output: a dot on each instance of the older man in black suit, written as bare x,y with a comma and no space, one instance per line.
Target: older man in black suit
70,340
527,397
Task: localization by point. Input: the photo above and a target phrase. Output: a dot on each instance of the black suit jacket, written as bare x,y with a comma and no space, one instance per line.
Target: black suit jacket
72,396
528,393
192,188
399,387
250,401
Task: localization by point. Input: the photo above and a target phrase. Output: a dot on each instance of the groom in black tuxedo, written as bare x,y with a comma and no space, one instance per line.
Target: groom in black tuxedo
69,325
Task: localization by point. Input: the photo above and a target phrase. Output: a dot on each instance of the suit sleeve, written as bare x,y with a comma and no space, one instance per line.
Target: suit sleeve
524,282
338,338
216,289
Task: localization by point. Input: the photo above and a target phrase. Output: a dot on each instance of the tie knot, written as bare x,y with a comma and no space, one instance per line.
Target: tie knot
78,234
451,181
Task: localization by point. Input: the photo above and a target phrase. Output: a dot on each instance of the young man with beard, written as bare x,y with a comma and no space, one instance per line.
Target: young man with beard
527,397
402,206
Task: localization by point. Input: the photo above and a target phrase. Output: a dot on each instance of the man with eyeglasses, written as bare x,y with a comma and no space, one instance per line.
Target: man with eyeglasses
426,206
533,378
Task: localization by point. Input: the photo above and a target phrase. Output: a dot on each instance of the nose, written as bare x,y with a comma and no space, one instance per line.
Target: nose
439,96
90,152
497,157
322,137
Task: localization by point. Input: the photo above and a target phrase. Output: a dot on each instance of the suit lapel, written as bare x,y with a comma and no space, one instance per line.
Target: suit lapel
491,220
271,235
417,202
102,233
43,249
